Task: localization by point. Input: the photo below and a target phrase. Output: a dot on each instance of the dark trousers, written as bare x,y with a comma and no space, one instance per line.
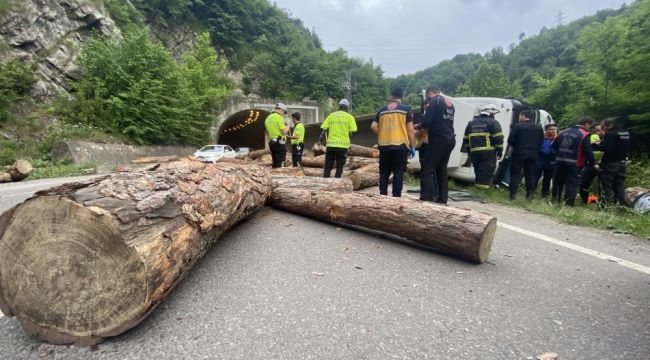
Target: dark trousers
334,155
435,161
589,173
278,153
528,164
545,173
485,163
422,152
612,177
296,154
392,162
567,179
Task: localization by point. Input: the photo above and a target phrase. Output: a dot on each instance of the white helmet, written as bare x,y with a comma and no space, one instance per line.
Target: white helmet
490,109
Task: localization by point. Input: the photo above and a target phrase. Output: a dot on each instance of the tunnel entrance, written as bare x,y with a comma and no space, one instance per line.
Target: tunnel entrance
244,129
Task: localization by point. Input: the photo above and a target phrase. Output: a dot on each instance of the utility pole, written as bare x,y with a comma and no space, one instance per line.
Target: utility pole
347,86
559,19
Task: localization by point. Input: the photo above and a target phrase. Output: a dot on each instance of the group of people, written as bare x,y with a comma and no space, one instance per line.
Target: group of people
571,160
397,137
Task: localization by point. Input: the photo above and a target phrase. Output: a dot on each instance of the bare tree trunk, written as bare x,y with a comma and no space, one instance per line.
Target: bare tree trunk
86,261
460,232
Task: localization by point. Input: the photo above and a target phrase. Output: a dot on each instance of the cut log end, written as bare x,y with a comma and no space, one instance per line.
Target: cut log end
485,244
82,277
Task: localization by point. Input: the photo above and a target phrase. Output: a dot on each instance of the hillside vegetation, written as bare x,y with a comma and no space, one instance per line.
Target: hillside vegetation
597,66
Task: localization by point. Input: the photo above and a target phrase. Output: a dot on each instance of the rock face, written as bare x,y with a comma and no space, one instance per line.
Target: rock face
49,33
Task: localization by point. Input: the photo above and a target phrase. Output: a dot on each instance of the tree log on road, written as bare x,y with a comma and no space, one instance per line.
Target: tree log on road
356,162
86,261
315,162
253,155
355,150
313,184
460,232
363,151
365,177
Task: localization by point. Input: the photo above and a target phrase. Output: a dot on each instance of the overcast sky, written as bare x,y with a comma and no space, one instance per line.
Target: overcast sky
406,36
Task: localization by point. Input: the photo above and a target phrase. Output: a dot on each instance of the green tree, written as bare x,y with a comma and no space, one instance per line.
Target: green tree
16,80
488,80
135,88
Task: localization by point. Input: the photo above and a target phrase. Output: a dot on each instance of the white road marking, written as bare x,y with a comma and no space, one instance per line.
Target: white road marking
584,250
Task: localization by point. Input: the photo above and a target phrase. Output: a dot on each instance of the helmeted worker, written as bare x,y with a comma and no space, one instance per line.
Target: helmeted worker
393,125
483,142
297,139
277,132
573,151
338,126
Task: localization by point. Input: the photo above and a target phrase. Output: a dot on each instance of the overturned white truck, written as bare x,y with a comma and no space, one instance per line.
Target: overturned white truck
466,109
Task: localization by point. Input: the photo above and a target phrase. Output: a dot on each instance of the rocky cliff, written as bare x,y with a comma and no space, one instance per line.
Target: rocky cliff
49,33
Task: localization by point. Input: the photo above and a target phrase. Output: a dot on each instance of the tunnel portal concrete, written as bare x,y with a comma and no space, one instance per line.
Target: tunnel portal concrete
240,123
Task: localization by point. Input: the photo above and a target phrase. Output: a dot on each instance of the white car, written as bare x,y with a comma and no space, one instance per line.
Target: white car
214,153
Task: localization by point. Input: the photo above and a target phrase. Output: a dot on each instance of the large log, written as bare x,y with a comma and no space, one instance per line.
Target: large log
354,150
363,151
315,162
460,232
356,162
86,261
313,184
253,155
364,177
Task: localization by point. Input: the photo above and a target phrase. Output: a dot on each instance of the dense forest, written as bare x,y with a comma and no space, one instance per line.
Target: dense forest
136,88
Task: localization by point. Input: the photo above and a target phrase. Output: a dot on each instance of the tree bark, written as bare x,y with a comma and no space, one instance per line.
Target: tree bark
363,151
459,232
86,261
312,184
354,150
364,177
315,162
254,154
356,162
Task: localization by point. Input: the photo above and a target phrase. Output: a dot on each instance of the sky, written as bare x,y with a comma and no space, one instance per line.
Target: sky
407,36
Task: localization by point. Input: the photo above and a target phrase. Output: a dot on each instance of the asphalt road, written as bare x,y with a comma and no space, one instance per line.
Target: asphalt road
284,287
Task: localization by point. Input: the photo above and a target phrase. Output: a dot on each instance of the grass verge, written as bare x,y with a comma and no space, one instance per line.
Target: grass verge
615,218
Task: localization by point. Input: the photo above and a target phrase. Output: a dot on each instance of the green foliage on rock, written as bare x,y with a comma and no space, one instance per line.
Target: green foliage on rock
16,80
133,87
